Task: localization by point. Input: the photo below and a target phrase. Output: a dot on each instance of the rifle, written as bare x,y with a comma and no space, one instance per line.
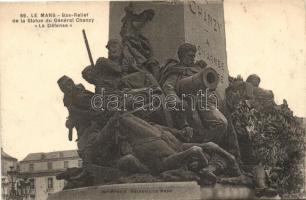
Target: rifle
88,49
70,134
70,128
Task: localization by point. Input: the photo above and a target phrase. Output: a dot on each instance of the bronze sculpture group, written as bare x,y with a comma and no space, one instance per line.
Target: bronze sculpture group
152,145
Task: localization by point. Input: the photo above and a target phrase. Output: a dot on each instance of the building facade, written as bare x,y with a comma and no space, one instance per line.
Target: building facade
41,170
7,163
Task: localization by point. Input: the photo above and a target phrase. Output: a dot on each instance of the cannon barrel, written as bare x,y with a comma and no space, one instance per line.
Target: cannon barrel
205,79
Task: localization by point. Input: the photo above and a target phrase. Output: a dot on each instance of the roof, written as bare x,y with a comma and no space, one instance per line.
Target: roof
6,156
51,155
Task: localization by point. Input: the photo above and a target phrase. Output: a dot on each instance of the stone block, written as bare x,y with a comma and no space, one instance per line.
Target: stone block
133,191
226,192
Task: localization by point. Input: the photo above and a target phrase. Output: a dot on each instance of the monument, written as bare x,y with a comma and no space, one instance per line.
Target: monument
197,22
133,149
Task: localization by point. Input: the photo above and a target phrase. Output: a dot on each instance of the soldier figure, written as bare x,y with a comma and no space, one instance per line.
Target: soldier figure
78,102
261,98
106,73
118,71
212,120
82,116
254,80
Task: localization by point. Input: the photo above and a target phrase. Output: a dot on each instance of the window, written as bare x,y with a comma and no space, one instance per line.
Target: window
49,165
66,164
79,163
61,155
50,183
31,167
32,184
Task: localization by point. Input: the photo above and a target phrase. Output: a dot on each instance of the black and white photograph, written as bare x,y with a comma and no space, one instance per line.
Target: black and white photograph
153,100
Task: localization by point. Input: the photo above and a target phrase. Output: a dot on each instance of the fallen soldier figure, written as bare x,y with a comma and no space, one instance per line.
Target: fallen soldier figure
140,147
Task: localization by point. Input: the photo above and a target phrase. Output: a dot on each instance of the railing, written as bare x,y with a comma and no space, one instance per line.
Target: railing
32,191
50,190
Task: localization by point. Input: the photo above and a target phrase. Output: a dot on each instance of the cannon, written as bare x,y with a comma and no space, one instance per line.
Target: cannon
207,78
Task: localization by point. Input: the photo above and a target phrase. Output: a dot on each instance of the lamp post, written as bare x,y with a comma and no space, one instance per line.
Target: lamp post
20,188
13,175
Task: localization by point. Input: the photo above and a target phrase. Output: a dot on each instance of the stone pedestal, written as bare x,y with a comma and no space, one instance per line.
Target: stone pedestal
226,192
155,191
197,22
133,191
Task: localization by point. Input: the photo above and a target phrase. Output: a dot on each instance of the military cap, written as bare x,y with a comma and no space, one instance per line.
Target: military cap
63,80
253,77
183,48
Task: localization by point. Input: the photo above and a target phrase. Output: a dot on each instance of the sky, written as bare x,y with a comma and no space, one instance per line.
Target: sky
262,37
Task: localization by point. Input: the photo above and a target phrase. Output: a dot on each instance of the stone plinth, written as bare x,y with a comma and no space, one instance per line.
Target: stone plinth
155,191
226,192
198,22
133,191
